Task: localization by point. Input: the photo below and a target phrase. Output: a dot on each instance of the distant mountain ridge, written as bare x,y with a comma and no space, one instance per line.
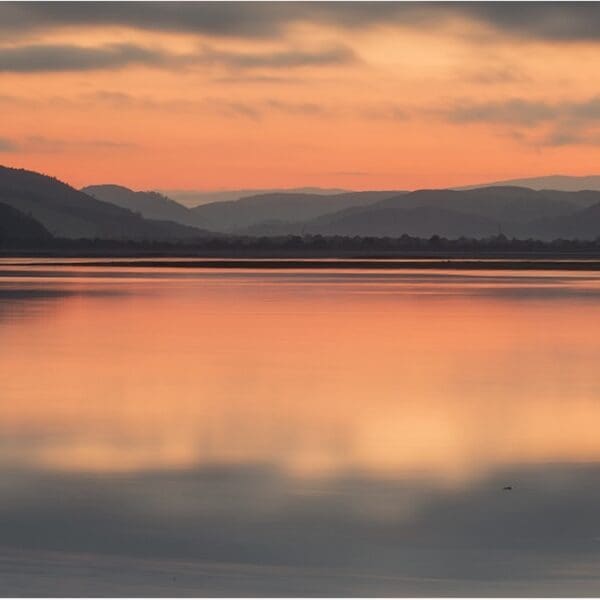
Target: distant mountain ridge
563,183
235,215
150,205
193,198
69,213
16,226
514,211
117,212
238,215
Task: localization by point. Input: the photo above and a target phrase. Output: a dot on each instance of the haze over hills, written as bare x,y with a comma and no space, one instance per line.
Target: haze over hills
120,213
514,211
151,205
565,183
17,226
69,213
238,215
192,198
235,215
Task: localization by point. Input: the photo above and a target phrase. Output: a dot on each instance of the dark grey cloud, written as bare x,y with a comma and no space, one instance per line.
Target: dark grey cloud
49,58
7,145
564,21
56,58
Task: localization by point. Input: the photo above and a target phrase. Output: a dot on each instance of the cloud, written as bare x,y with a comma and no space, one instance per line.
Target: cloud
296,108
525,112
559,21
278,60
52,58
57,58
513,111
391,112
569,122
42,144
499,74
7,145
573,136
253,109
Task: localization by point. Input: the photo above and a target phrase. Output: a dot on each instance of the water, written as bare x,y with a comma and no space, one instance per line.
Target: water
174,431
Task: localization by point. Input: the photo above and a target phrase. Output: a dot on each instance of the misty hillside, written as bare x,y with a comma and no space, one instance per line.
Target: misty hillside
564,183
67,212
505,204
518,212
583,225
16,226
419,221
287,208
192,198
474,213
150,205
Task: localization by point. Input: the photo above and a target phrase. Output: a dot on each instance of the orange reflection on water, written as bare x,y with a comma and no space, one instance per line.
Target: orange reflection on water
310,373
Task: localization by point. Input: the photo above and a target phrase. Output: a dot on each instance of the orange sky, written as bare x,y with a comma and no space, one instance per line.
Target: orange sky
398,101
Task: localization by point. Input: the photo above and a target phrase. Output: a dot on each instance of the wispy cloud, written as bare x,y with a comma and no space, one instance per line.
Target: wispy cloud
43,144
386,111
566,122
513,111
286,59
7,145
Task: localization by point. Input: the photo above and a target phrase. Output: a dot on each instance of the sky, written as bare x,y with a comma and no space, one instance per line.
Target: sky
362,95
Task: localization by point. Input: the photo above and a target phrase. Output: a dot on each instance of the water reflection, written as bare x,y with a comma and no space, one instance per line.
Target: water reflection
353,428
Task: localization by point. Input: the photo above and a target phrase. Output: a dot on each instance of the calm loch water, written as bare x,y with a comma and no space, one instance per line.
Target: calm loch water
184,431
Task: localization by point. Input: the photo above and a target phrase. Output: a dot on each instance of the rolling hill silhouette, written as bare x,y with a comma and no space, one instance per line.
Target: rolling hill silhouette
583,225
192,198
564,183
118,213
477,213
150,205
16,226
247,212
69,213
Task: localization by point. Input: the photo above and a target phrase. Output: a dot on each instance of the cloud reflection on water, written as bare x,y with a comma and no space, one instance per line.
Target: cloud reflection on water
354,431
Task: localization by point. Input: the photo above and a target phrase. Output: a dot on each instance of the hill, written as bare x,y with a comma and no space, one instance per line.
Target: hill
191,198
67,212
477,213
504,204
564,183
16,226
583,225
151,205
238,215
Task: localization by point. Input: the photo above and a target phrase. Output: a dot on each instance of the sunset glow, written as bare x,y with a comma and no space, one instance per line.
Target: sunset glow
402,97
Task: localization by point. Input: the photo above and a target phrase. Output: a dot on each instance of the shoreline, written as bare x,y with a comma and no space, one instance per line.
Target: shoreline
450,263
